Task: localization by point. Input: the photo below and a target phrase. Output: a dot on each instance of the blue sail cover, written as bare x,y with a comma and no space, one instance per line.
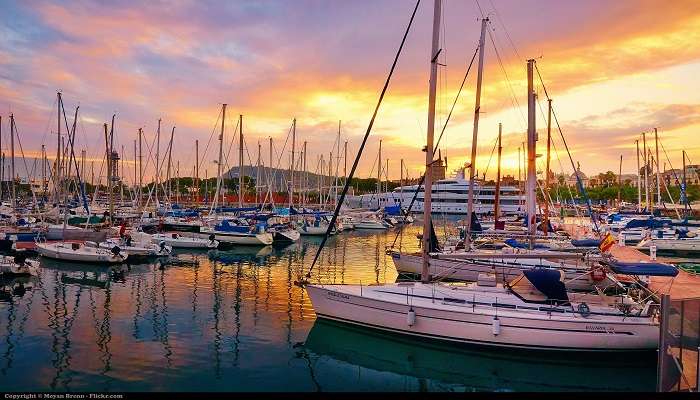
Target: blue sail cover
642,268
522,245
586,242
235,209
393,210
225,226
647,223
547,281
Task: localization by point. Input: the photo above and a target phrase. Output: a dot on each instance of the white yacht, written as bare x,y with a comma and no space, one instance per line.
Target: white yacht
449,196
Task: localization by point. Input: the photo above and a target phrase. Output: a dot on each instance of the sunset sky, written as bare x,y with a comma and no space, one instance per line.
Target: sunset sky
613,68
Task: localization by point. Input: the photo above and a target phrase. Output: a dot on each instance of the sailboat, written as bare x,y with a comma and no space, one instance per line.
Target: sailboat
178,241
532,311
76,251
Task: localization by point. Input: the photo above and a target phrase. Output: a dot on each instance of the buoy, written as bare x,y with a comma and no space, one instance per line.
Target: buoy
621,240
496,326
652,252
411,317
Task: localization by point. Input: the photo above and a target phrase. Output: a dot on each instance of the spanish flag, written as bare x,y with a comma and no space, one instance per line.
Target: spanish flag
606,243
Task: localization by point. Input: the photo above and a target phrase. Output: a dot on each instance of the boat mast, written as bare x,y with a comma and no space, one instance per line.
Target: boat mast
157,164
2,161
658,172
140,170
170,158
497,198
549,156
531,154
379,174
685,188
475,133
12,161
58,148
270,178
291,165
401,186
619,184
218,164
639,180
257,176
646,174
428,182
240,162
306,178
196,169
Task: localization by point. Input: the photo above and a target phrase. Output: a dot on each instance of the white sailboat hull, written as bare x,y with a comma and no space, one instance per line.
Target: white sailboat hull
314,230
373,307
246,239
64,251
184,242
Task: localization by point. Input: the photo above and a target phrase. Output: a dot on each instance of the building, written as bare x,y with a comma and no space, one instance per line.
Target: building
673,177
572,181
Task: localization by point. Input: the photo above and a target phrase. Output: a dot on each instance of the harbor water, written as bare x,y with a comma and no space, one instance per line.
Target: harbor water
235,321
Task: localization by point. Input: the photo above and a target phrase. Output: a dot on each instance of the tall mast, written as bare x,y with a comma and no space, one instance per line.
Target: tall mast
497,198
157,163
549,156
271,182
684,190
306,177
241,189
291,166
520,180
257,175
177,183
428,182
646,173
379,173
136,172
345,162
109,169
12,160
196,168
619,184
2,161
531,153
658,172
121,184
58,148
475,133
401,184
140,168
170,158
218,164
43,172
639,180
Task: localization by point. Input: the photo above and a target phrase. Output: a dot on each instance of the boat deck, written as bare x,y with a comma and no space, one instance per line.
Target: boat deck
682,286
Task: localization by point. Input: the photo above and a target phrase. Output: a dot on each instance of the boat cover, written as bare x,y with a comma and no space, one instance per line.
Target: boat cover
393,210
547,281
643,268
226,226
522,245
586,242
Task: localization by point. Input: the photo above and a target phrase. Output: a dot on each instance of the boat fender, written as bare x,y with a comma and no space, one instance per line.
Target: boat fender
496,326
411,317
652,252
584,310
598,275
116,250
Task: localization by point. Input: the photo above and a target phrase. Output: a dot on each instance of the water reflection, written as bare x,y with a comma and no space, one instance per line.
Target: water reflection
218,321
447,366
